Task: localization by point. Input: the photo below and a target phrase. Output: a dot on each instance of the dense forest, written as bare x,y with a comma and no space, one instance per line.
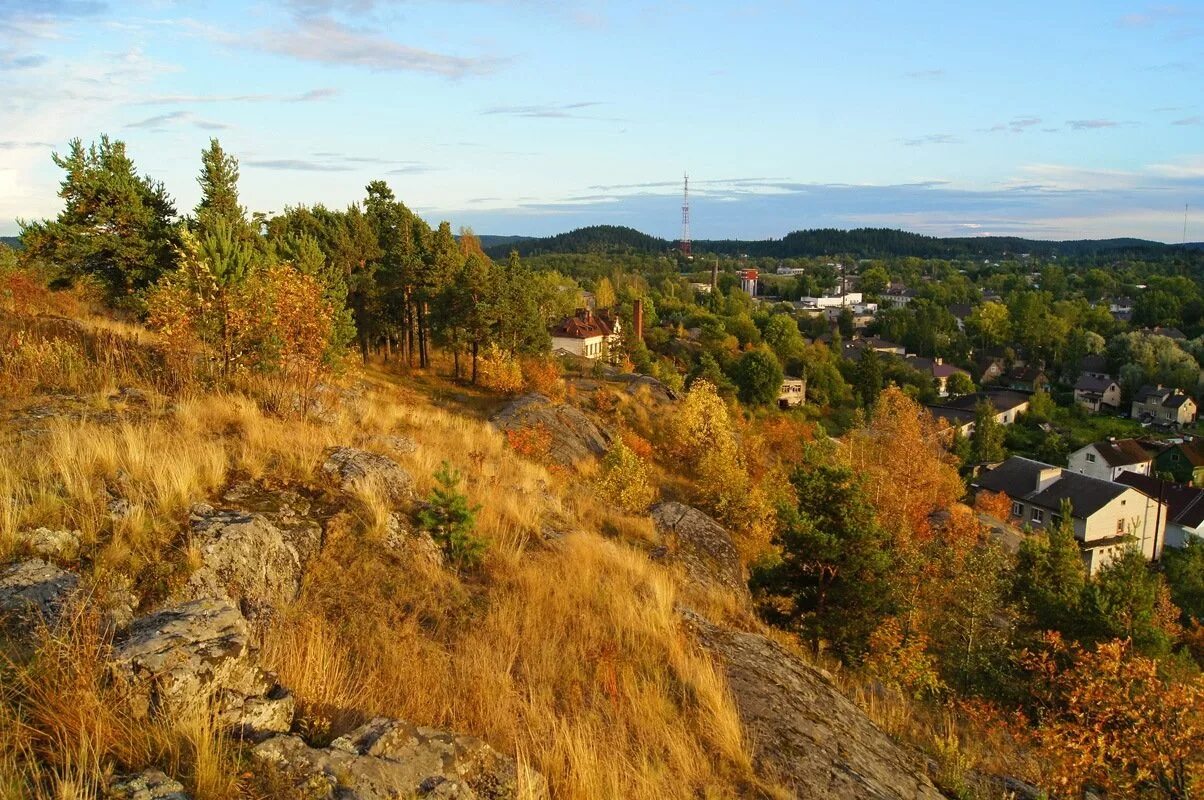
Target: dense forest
860,242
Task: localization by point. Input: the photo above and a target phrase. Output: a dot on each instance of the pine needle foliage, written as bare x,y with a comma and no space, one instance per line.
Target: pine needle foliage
451,521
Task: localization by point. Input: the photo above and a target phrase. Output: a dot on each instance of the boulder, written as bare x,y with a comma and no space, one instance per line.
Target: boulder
196,650
348,467
148,785
34,591
246,557
575,436
411,545
806,735
702,546
47,543
656,390
390,758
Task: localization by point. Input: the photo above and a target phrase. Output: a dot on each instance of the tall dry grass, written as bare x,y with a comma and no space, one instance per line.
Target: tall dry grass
570,655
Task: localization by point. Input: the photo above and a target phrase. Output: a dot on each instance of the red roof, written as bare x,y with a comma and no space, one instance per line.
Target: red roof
583,325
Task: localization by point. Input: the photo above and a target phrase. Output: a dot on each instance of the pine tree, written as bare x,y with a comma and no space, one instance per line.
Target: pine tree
867,379
219,193
115,225
987,439
450,520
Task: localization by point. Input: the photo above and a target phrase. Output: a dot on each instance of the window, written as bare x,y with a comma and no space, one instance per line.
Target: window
1038,515
1017,510
1091,458
1120,527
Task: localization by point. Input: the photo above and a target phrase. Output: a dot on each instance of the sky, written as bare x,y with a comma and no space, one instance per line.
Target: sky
1051,120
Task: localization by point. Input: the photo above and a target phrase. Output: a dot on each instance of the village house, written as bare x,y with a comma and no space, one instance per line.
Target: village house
938,370
830,300
1026,379
1185,506
1107,516
586,334
1108,459
959,412
989,368
1160,405
793,392
897,295
1183,461
853,348
1095,391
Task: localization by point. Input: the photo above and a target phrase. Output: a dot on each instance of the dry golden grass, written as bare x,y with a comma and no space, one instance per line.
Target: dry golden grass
570,656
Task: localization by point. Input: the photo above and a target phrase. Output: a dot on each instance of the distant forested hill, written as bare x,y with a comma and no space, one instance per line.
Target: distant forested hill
12,241
595,239
859,242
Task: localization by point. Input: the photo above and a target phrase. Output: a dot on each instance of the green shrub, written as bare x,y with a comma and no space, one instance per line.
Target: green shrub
450,521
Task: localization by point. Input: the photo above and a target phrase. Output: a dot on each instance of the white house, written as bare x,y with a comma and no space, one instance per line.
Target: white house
586,334
837,300
793,392
1107,517
1109,458
1185,506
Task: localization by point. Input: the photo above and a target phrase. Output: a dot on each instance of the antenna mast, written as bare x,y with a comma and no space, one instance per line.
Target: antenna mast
1185,223
685,216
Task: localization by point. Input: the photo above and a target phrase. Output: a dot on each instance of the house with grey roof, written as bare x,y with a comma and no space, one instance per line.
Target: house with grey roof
1162,405
959,412
1097,391
1107,517
1109,458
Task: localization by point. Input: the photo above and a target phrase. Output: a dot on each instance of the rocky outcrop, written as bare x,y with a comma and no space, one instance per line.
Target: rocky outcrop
34,591
149,785
806,735
575,436
701,545
199,650
390,758
60,545
658,391
348,467
246,558
411,546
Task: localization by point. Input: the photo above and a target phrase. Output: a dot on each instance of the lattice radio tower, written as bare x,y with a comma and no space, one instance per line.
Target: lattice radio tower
685,216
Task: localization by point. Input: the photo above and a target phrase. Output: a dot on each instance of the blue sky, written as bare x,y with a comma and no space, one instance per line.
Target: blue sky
1051,120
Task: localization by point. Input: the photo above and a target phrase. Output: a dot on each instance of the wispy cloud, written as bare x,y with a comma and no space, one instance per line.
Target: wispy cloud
329,161
1016,125
546,111
1189,121
1151,16
925,74
49,9
162,121
12,60
932,138
297,165
313,95
326,41
11,145
1094,124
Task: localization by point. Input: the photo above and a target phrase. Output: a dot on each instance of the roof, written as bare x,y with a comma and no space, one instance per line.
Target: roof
1193,451
1122,452
1002,399
1093,363
954,416
1026,374
1185,504
583,325
1018,478
1093,382
961,310
1160,395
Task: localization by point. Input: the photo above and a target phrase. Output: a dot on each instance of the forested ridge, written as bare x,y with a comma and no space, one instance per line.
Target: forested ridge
860,242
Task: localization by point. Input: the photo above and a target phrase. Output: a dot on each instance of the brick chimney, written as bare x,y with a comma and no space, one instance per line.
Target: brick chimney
637,318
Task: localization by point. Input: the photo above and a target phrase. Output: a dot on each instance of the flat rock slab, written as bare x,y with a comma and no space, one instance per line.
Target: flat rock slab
390,758
34,591
806,734
149,785
196,650
349,467
248,559
702,546
575,436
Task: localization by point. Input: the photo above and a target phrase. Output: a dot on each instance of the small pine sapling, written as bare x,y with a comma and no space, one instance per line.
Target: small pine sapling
450,520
